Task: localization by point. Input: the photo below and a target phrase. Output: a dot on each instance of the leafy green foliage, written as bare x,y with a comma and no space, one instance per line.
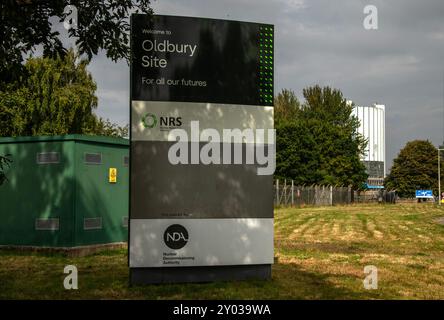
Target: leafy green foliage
5,162
286,106
317,141
107,128
25,24
55,97
415,167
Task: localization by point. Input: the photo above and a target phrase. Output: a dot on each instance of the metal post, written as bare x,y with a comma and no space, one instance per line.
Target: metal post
277,192
285,192
439,177
292,192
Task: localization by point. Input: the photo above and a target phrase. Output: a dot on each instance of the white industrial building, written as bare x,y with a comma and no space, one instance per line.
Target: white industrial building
372,120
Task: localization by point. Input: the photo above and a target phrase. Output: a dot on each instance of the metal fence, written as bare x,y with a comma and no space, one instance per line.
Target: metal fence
380,196
288,194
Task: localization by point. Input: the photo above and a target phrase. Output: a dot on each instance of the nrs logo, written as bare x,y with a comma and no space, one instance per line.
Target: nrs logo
149,120
175,236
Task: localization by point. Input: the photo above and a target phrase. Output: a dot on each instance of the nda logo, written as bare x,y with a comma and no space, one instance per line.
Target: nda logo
175,236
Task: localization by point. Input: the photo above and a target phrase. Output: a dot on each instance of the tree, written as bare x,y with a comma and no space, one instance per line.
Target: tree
26,24
329,118
415,167
286,106
295,157
56,97
317,142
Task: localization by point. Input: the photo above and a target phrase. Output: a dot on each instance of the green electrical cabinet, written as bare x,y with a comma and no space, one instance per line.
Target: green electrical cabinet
64,191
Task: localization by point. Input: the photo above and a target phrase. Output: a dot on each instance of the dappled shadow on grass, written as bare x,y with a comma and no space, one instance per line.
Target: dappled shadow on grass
289,281
105,276
293,282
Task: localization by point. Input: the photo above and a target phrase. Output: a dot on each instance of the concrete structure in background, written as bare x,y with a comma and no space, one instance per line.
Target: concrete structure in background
64,191
372,119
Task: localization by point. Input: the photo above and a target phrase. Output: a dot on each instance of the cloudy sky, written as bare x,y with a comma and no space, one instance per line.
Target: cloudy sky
401,64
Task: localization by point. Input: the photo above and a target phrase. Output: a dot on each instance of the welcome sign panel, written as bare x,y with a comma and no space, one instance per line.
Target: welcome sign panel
193,74
201,60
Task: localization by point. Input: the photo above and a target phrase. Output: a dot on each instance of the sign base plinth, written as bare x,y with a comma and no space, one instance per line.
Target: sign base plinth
141,276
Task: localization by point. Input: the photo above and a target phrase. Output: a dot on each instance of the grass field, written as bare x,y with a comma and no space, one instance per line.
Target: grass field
320,254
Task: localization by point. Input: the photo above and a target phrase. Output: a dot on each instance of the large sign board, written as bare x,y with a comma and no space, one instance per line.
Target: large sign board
198,214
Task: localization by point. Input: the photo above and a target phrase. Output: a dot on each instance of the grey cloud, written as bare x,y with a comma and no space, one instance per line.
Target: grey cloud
324,42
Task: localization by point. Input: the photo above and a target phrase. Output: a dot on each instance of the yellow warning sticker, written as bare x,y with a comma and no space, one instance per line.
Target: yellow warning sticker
112,175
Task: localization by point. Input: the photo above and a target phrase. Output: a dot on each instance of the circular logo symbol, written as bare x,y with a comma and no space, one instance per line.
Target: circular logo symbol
149,120
175,236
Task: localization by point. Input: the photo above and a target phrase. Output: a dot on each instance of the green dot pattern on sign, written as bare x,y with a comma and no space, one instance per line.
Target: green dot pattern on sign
266,42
